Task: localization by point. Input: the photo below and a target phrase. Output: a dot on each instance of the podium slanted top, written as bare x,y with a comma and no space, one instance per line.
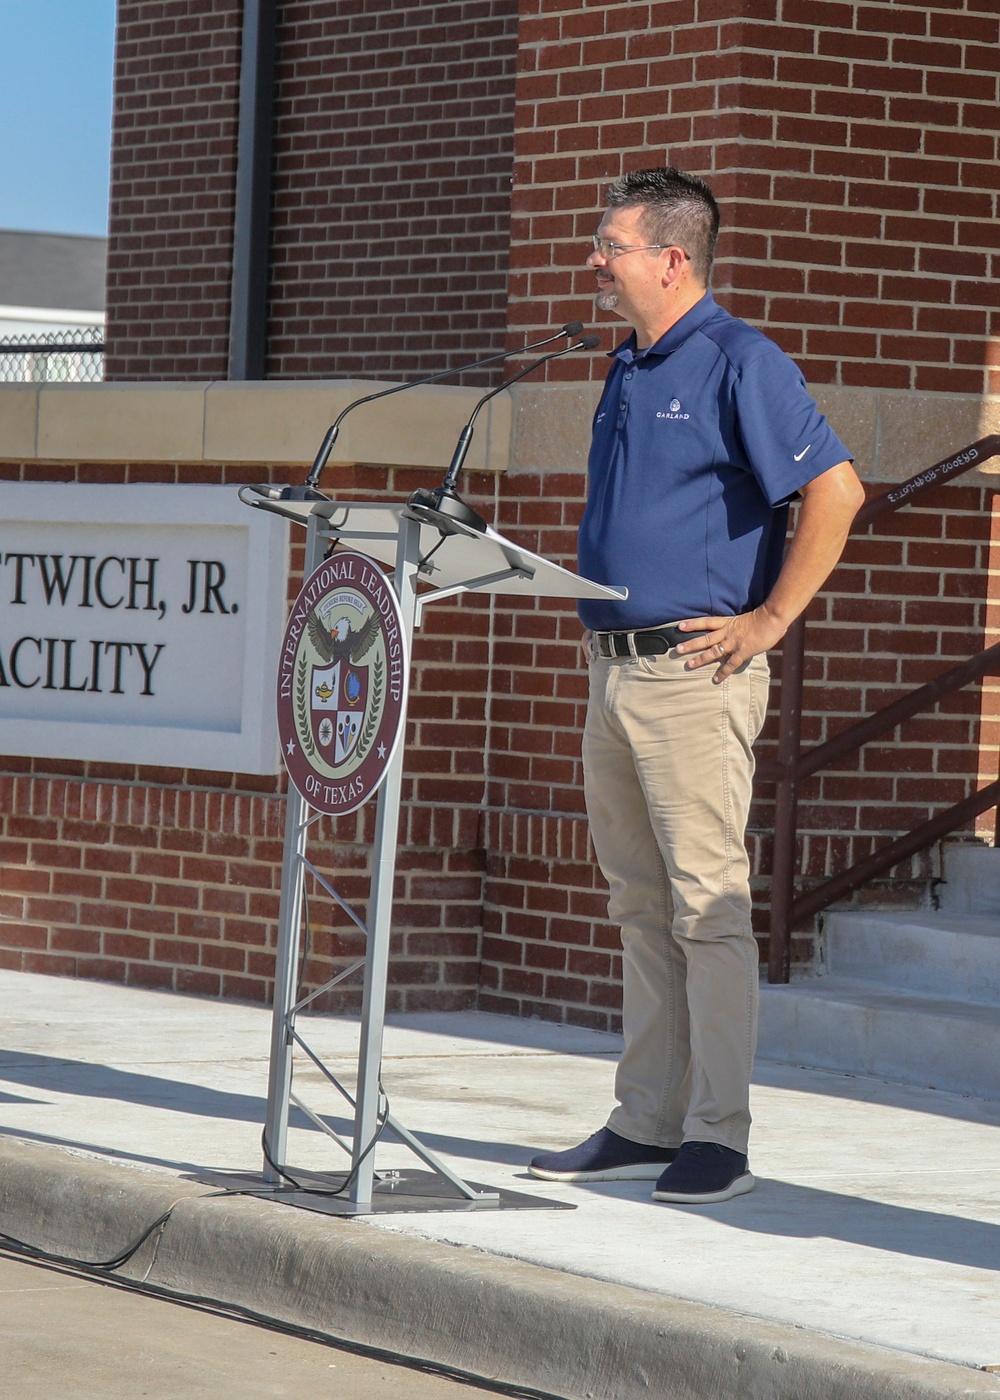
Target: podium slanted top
486,560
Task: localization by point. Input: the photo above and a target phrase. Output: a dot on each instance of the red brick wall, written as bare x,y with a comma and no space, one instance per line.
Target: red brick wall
853,145
173,175
170,878
394,136
391,204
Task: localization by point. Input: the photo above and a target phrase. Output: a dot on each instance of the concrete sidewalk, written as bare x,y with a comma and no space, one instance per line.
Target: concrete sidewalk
867,1262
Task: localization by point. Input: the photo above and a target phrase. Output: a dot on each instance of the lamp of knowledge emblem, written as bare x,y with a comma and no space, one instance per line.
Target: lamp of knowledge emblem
342,681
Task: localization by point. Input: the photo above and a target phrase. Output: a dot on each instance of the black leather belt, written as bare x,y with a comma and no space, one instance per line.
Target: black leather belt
654,641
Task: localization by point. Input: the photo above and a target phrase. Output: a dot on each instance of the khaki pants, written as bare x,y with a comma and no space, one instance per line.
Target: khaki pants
668,771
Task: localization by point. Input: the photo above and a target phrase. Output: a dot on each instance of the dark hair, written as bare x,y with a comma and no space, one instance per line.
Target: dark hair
677,209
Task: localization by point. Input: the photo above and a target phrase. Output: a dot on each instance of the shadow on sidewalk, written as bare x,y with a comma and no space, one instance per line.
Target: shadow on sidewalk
105,1082
784,1209
96,1081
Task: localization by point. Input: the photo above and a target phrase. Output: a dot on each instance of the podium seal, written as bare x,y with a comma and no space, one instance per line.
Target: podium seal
342,683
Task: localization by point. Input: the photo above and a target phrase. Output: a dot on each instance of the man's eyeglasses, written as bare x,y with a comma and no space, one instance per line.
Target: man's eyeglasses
608,249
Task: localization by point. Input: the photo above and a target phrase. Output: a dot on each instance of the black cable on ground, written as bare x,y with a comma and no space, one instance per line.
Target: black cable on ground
34,1251
217,1308
380,1126
273,1164
109,1265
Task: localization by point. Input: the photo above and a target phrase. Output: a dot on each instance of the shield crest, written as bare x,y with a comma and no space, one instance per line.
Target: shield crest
339,699
324,687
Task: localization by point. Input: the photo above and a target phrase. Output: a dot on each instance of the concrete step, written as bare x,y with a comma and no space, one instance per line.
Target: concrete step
945,955
970,881
857,1027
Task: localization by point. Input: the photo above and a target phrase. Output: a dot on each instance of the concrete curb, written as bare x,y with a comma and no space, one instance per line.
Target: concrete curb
492,1316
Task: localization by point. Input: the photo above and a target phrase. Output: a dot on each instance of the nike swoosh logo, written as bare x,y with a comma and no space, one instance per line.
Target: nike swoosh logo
799,455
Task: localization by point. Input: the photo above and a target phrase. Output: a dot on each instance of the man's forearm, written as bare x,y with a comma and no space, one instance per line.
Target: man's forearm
829,505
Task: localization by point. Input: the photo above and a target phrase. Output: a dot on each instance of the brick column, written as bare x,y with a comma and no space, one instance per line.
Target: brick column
853,146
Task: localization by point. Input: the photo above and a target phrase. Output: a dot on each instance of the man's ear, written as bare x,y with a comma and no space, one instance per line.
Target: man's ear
673,265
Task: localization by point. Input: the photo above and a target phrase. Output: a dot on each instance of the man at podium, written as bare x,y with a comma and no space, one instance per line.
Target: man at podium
704,434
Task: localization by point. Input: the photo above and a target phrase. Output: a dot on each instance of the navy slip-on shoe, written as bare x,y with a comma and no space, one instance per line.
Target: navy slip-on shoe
603,1157
702,1174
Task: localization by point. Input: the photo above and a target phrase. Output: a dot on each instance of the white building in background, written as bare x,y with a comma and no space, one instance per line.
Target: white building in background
51,294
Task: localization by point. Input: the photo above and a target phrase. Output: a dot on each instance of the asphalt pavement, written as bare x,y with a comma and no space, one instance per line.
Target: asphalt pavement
62,1334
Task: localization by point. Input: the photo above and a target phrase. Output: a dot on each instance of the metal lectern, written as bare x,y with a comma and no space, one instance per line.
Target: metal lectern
446,557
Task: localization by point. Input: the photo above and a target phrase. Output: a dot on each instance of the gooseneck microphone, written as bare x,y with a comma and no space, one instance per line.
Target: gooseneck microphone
326,447
443,503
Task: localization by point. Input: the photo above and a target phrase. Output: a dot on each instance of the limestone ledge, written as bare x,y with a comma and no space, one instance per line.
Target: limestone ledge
528,428
277,421
893,434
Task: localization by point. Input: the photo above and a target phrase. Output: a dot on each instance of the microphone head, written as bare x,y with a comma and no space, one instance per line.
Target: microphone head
573,328
589,342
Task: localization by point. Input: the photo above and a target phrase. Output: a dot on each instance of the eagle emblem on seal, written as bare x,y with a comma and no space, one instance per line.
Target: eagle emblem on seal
339,685
341,643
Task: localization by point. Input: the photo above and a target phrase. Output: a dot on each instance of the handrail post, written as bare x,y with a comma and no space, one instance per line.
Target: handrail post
779,957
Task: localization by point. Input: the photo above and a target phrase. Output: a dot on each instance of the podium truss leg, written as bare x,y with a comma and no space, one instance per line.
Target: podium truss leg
369,1092
279,1081
286,965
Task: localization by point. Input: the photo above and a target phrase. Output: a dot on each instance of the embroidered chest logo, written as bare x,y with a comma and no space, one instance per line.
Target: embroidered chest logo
674,412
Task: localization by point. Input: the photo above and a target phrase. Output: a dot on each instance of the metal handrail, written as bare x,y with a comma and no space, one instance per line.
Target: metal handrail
792,766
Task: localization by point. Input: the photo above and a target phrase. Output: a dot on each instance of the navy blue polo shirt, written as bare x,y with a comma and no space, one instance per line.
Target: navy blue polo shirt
699,444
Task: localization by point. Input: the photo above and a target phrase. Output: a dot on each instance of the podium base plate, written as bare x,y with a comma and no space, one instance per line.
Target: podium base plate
395,1192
